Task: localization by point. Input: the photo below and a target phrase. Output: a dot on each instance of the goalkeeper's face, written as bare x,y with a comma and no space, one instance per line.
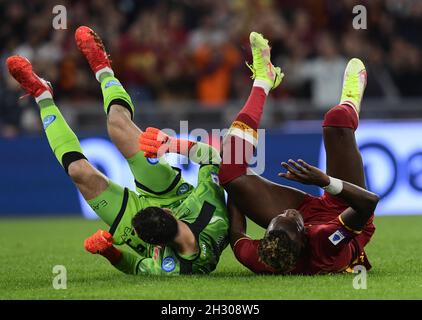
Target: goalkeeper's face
156,225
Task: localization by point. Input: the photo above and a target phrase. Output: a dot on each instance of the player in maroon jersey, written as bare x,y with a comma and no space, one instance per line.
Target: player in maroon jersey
305,234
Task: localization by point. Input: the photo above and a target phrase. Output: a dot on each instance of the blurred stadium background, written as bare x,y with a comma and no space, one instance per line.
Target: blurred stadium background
184,60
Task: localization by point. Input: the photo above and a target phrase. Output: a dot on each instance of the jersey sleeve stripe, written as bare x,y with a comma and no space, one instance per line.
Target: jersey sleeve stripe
348,228
203,219
170,187
238,240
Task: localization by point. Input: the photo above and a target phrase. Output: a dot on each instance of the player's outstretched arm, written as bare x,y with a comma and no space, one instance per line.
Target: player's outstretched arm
244,248
155,143
361,201
101,243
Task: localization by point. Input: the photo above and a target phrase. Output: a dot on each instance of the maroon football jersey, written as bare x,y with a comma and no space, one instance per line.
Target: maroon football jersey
332,247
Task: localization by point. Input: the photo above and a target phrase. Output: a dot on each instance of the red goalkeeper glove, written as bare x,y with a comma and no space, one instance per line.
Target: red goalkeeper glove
102,242
155,143
98,242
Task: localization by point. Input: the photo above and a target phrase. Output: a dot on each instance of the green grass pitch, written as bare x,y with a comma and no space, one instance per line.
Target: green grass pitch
31,247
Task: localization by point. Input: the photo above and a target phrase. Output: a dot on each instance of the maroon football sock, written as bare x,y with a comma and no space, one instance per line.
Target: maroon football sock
342,116
252,111
239,144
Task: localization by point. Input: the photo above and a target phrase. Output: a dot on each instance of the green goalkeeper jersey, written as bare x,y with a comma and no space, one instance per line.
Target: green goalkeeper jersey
202,208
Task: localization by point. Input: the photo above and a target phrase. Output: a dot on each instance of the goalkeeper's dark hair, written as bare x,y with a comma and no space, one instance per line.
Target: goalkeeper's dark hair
279,251
155,226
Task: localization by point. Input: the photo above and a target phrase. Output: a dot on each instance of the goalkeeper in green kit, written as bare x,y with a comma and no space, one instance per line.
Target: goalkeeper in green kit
171,227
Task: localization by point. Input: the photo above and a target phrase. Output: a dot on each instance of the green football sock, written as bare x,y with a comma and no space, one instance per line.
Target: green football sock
104,75
114,93
60,136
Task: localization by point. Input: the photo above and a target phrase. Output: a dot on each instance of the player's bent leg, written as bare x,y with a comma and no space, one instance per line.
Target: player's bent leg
87,179
149,176
262,200
242,137
256,197
61,138
122,131
344,160
90,182
65,144
119,110
110,201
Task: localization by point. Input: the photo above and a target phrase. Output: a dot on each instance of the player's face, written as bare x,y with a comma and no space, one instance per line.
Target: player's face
291,221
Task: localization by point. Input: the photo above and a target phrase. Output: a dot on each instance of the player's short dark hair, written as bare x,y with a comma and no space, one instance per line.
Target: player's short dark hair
279,251
155,226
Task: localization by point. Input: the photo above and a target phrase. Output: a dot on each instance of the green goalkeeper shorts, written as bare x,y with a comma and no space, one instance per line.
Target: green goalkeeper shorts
157,184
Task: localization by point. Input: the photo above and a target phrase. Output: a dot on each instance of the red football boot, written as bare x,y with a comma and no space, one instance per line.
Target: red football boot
92,47
21,69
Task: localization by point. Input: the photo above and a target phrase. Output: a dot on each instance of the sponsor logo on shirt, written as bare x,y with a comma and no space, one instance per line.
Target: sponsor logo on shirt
336,237
48,120
184,187
99,205
168,264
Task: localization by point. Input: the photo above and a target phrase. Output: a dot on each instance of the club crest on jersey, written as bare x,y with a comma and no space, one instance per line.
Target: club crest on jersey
336,237
48,120
112,83
153,160
215,178
184,187
168,264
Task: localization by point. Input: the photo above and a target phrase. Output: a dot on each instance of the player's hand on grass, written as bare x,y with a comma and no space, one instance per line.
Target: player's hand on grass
304,173
154,142
98,242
